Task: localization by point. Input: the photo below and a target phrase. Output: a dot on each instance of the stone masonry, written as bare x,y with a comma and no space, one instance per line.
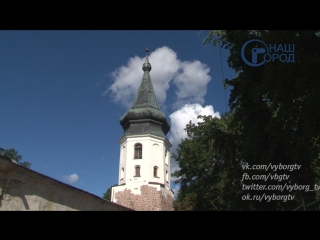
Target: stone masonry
149,200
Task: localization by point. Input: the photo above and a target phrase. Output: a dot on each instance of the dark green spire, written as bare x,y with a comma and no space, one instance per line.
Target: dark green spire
145,116
146,96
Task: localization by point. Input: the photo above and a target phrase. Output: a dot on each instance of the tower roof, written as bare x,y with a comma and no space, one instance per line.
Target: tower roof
146,96
145,115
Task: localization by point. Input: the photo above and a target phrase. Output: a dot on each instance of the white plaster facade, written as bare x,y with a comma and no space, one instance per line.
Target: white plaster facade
144,164
155,153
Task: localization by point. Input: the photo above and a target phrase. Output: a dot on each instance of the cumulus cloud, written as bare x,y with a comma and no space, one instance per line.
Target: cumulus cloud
73,178
191,83
180,118
127,78
190,79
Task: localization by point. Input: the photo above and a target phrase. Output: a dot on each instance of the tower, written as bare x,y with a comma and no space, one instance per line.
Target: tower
144,165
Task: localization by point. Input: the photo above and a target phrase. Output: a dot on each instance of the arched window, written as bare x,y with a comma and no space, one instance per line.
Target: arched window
138,151
123,153
166,157
137,171
155,171
122,173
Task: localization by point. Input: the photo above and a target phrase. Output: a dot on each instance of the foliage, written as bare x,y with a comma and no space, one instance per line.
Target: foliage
13,154
210,172
107,194
274,118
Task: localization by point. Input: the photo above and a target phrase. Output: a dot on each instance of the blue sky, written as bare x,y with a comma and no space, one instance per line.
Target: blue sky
63,93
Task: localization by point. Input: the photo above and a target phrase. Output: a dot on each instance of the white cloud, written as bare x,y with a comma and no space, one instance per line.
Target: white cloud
179,119
73,178
127,79
191,83
190,78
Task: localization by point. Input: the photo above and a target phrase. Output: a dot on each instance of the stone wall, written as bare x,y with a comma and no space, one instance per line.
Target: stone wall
149,200
24,189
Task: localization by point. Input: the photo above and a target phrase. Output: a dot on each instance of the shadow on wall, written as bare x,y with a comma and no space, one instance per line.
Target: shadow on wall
24,189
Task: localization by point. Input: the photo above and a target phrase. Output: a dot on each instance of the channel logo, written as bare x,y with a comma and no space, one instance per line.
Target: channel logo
260,53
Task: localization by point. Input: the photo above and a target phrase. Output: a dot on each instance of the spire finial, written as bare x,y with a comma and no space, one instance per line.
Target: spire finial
146,66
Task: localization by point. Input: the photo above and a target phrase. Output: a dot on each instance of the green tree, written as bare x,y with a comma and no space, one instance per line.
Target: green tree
274,118
210,173
107,194
13,154
211,169
276,106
